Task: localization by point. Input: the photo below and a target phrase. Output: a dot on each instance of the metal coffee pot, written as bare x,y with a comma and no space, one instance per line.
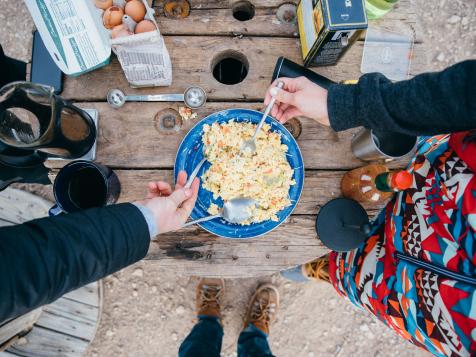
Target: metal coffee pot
36,124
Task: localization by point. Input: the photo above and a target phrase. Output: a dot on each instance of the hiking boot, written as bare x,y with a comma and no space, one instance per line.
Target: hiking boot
263,307
209,297
317,269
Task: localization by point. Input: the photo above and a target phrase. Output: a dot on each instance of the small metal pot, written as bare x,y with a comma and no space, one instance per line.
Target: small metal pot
369,145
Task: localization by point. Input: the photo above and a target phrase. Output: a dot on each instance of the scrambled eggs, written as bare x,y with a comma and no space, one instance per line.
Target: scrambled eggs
265,176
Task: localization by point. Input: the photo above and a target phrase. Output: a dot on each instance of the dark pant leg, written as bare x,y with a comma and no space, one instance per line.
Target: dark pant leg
253,343
204,340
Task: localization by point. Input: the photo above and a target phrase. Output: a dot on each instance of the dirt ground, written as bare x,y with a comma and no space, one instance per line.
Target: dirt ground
149,311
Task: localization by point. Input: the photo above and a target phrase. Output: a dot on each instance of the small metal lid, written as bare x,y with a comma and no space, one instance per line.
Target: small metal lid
342,224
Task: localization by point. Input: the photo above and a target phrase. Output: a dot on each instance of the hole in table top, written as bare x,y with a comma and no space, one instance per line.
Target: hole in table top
243,11
230,67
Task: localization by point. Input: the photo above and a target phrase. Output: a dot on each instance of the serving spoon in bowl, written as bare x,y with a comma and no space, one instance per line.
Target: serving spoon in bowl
249,146
236,210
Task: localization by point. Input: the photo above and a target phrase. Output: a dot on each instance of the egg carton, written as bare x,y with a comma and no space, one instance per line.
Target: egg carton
78,42
143,56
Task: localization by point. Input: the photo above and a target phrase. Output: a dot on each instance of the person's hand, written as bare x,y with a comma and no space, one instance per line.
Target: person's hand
299,96
171,208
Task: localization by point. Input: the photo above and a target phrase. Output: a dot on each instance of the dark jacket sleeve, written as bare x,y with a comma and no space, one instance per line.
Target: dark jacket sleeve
428,104
43,259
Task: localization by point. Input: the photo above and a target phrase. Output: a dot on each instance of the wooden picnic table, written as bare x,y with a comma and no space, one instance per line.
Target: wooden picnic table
131,142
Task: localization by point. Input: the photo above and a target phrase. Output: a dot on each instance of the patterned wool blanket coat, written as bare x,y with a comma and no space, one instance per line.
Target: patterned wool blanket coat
417,270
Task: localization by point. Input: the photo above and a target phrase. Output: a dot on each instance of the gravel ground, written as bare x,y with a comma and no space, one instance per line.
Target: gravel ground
148,311
450,30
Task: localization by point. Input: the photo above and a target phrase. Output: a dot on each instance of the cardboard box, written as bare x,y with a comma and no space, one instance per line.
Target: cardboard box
327,28
76,39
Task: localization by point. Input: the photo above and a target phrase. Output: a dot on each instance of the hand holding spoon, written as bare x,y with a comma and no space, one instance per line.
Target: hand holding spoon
249,146
236,210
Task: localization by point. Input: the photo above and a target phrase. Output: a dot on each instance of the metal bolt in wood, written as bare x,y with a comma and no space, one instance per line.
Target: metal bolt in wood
168,121
287,13
178,9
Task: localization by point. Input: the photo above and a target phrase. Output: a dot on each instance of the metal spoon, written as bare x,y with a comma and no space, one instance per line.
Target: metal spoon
249,146
194,173
236,210
193,97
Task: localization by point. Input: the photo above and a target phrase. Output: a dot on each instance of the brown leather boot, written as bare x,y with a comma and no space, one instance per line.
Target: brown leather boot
317,269
263,307
209,295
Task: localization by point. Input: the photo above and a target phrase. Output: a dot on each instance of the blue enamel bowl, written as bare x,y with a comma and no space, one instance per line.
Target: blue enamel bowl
190,153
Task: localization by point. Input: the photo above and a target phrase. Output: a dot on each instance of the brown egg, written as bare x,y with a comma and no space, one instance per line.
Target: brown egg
145,26
136,10
103,4
120,31
112,17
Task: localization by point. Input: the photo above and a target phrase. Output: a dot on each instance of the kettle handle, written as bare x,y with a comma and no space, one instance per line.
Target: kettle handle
290,69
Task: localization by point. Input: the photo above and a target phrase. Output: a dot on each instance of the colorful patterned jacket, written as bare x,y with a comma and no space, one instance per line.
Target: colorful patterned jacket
417,270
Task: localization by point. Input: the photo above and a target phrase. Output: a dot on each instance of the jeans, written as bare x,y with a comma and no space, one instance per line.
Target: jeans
206,337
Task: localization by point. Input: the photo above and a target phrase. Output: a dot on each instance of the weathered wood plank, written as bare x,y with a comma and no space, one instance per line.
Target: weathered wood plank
70,317
223,4
88,294
13,327
221,22
128,138
192,251
65,327
192,59
17,206
45,343
403,8
213,21
319,187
